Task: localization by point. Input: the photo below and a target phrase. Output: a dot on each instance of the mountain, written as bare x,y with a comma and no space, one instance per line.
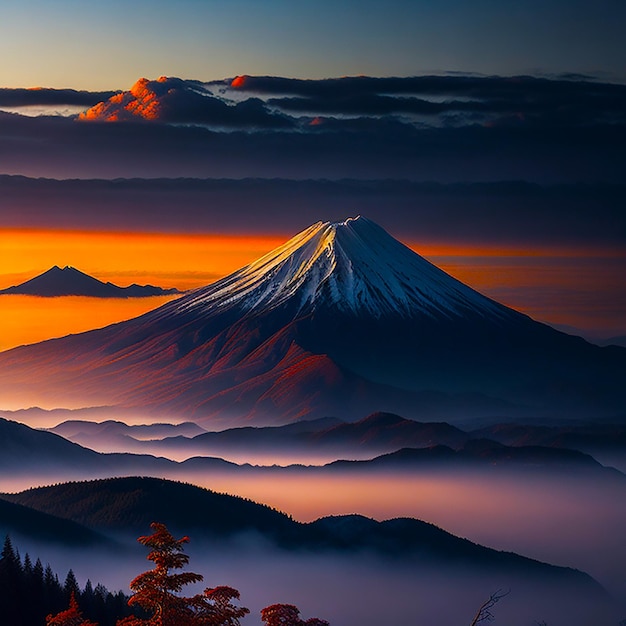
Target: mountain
341,320
26,451
606,442
113,435
41,455
319,439
129,505
21,521
484,454
69,281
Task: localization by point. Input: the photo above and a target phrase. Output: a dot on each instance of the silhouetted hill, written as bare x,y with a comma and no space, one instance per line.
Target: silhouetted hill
69,281
26,450
604,441
129,505
22,521
119,435
484,454
376,433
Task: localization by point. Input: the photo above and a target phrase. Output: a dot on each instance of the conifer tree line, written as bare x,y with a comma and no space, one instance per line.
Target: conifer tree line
30,592
33,596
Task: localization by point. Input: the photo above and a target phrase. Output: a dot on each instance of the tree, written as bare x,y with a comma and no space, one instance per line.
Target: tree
214,607
281,615
70,586
70,617
11,584
156,591
287,615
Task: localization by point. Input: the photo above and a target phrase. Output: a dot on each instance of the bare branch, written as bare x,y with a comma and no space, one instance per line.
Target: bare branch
484,613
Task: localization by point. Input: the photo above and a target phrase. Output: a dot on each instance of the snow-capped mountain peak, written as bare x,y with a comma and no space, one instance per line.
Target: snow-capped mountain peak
353,266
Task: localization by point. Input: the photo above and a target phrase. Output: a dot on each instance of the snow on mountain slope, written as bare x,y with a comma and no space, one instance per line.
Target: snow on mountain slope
353,266
341,320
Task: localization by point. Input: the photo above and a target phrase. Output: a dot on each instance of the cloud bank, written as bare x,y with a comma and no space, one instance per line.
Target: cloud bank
457,128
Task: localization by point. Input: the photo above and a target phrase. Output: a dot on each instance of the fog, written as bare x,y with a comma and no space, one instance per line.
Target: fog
348,590
569,520
574,522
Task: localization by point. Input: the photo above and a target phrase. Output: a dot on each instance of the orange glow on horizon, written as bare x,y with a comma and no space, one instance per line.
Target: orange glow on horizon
184,261
181,261
562,286
30,319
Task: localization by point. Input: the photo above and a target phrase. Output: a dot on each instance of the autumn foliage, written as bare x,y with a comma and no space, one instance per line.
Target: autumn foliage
159,601
70,617
156,591
287,615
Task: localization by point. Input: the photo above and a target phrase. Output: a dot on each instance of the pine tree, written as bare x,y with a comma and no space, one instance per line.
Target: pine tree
156,591
70,586
52,591
11,584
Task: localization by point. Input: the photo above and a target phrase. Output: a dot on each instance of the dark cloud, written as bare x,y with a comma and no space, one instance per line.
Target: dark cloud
468,129
361,148
566,100
51,97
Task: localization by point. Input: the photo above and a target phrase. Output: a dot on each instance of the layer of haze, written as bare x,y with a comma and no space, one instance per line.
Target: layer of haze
569,521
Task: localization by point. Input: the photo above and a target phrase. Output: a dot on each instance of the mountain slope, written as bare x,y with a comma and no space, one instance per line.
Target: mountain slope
69,281
340,320
21,521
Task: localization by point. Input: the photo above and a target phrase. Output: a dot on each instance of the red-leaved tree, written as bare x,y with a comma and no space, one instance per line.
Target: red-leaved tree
287,615
70,617
156,591
215,607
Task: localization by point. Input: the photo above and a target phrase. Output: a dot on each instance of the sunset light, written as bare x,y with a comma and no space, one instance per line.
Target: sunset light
319,306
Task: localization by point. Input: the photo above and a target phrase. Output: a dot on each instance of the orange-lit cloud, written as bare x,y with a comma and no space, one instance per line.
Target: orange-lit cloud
141,102
239,81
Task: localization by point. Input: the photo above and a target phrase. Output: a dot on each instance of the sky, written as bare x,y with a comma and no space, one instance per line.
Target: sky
95,45
172,142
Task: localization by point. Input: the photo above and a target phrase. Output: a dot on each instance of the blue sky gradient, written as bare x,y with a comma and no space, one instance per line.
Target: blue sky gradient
89,45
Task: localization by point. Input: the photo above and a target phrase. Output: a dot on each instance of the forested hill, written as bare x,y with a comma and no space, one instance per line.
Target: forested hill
130,505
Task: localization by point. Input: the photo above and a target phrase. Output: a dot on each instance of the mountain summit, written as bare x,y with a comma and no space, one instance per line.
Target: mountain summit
341,320
352,266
